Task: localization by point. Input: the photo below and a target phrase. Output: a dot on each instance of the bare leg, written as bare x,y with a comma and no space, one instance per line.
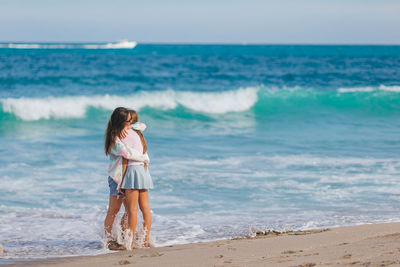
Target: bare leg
132,198
114,205
145,208
124,219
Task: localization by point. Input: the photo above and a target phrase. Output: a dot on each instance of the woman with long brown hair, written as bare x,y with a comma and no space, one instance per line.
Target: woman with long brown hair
137,181
117,127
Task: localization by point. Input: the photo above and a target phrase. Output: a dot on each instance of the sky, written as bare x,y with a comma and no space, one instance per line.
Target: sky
202,21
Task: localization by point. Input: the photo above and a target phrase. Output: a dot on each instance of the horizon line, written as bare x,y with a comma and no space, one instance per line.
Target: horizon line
204,43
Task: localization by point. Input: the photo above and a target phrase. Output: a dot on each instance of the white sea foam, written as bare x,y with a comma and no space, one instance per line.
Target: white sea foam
74,227
76,106
370,89
21,46
124,44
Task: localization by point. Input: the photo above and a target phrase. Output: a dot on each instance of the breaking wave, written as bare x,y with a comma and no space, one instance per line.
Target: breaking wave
370,89
260,100
76,106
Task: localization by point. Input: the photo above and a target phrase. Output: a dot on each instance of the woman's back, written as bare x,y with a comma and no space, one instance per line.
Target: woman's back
132,140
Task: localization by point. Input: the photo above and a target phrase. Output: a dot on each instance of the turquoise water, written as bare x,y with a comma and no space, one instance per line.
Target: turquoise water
241,138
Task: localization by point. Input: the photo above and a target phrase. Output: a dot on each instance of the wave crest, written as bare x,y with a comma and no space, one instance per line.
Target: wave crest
76,106
382,100
370,89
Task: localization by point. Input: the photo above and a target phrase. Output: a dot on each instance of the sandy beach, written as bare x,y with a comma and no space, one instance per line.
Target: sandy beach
363,245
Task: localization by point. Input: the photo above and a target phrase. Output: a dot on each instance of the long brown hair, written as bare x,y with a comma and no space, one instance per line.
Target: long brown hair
135,118
115,126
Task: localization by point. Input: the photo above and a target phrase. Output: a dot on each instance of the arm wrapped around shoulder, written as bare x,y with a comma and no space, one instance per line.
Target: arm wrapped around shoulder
141,126
122,150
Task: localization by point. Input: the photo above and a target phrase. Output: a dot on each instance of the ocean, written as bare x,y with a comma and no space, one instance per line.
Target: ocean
241,138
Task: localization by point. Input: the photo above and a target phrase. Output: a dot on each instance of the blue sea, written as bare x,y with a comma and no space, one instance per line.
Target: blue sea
241,138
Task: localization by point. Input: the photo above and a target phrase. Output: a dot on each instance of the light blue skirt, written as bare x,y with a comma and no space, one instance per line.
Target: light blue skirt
137,177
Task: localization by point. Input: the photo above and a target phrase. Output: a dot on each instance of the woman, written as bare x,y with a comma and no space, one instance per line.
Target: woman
137,181
118,124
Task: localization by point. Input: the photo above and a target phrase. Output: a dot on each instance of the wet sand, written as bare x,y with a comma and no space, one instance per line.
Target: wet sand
363,245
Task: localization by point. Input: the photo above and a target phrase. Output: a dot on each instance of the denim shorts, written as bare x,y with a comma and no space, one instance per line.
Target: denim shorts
113,187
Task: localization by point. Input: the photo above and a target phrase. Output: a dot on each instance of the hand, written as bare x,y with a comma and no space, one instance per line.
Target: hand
146,158
121,191
123,133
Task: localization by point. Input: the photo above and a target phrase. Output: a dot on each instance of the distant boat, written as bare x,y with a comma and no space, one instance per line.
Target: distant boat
121,44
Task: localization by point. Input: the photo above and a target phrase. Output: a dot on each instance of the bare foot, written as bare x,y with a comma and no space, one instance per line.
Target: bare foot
113,245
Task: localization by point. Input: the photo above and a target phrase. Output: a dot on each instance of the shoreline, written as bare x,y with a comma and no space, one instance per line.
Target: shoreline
361,245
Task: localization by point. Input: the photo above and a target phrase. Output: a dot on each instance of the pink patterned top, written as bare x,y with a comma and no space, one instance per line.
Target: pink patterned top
132,140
